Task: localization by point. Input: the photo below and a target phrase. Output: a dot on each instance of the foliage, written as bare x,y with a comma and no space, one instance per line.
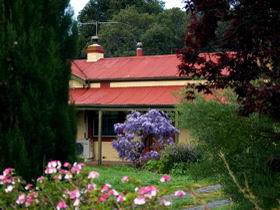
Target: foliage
177,154
245,143
36,122
105,10
153,165
248,58
160,32
248,63
70,186
175,159
119,42
142,136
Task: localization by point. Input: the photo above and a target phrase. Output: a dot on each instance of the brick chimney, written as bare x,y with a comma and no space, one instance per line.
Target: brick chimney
139,49
95,52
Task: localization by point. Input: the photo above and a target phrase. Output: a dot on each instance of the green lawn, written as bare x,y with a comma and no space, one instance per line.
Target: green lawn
113,175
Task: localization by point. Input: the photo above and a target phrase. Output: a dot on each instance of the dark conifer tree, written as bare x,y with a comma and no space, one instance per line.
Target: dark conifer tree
36,122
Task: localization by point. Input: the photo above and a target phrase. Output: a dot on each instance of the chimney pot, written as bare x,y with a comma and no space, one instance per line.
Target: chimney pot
95,52
139,49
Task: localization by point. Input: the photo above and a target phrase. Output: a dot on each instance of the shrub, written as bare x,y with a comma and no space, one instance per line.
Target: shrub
142,136
66,186
249,144
153,165
177,154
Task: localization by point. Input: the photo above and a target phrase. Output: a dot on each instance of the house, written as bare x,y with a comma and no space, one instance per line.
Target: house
104,90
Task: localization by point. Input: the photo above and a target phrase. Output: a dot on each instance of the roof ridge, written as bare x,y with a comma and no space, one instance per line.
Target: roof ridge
134,57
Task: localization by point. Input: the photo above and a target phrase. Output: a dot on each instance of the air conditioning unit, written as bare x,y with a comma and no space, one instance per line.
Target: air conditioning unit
84,149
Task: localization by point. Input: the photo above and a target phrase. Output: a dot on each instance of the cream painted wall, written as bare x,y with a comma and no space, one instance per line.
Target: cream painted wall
95,85
154,83
81,125
93,56
75,84
108,152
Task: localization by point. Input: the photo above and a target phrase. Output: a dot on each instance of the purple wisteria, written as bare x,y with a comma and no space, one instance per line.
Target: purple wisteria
142,136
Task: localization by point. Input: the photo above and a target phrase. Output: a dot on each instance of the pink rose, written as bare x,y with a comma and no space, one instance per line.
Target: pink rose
165,178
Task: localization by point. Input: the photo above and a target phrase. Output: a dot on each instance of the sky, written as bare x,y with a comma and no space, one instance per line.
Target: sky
78,5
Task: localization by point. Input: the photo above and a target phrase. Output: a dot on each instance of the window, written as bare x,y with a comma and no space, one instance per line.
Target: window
108,121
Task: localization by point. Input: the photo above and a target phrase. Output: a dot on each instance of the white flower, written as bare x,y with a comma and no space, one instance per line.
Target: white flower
165,203
125,179
9,189
93,175
115,193
139,201
68,176
21,199
76,202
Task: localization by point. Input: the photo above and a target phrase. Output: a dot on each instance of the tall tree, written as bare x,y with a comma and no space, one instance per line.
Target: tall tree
167,33
250,32
36,122
105,10
120,39
246,32
162,33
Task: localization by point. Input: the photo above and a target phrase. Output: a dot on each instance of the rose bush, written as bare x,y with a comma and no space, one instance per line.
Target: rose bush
142,136
67,186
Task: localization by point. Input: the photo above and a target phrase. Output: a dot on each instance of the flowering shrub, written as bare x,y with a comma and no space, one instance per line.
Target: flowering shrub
142,136
66,186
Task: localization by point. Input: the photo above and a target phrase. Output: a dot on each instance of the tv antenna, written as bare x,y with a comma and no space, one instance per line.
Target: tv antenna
96,23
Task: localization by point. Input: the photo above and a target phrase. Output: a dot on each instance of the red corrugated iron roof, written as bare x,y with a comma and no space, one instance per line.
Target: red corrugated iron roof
134,67
158,66
131,96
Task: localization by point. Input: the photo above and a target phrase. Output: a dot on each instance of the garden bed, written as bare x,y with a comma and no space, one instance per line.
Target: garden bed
113,175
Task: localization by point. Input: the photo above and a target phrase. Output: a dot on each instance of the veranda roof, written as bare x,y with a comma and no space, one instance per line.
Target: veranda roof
129,96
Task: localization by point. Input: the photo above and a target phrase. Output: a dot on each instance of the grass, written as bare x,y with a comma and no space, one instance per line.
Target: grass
113,175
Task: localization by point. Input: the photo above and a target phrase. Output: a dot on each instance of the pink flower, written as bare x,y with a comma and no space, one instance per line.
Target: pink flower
125,179
120,199
74,194
165,178
8,171
50,170
61,205
139,201
91,187
105,196
106,187
28,187
180,193
148,191
93,175
41,179
28,201
6,179
54,164
21,199
67,165
2,179
165,203
30,198
76,168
